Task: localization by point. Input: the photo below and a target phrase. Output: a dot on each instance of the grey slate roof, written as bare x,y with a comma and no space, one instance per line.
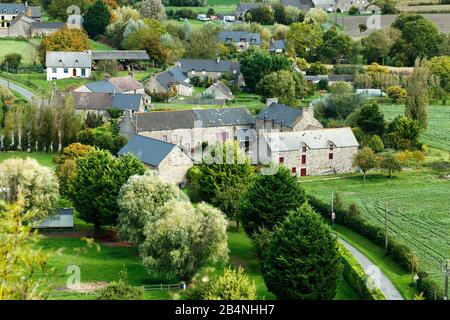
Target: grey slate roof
150,151
245,6
314,139
238,36
69,59
105,101
102,86
220,86
281,114
120,55
10,8
171,76
47,25
185,119
277,45
299,4
127,101
209,65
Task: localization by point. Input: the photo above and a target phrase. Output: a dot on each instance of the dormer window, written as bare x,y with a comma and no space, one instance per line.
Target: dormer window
16,11
243,39
229,39
4,10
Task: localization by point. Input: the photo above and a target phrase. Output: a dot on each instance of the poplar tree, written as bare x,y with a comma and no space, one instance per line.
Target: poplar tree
417,100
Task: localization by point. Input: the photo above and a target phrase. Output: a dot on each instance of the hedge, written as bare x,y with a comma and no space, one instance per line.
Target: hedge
356,277
399,252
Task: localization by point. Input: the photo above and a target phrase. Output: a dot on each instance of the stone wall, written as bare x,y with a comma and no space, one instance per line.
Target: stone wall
317,160
173,169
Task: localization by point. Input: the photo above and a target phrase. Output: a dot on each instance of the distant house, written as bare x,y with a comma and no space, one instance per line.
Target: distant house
71,64
277,46
331,78
219,91
127,59
327,5
61,219
370,92
241,39
190,128
243,7
211,69
100,103
174,77
313,152
9,11
61,65
285,118
23,26
125,85
345,5
170,162
304,5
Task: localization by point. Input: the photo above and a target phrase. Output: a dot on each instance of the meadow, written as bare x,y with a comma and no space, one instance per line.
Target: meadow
438,132
417,202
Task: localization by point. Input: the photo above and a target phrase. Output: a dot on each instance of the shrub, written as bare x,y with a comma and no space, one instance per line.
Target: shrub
121,290
353,10
376,144
396,93
316,68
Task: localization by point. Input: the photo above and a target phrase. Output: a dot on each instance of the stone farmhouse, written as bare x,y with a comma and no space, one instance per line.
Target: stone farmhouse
285,118
100,103
173,78
313,152
241,39
167,159
190,128
23,26
72,64
211,69
219,91
9,11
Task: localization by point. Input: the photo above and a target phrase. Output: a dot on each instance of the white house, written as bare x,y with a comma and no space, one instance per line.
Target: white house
62,219
62,65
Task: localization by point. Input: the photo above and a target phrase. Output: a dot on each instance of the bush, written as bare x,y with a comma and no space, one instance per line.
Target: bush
396,93
316,68
121,290
185,14
356,277
376,144
353,10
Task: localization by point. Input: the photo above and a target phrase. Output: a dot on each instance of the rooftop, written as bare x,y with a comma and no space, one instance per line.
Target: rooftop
150,151
281,114
238,36
81,59
120,55
209,65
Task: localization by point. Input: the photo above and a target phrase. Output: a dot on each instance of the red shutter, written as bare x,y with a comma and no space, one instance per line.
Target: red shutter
330,156
304,159
303,172
294,170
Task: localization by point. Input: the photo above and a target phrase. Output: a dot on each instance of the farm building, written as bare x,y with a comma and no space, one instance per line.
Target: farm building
313,152
125,85
277,46
173,78
170,162
211,69
218,91
285,118
243,7
190,128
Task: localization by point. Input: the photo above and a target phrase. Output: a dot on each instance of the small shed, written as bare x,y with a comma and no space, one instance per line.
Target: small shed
62,219
219,91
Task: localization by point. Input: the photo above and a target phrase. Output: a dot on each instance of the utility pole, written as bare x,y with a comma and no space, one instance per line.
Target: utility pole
446,271
385,230
333,215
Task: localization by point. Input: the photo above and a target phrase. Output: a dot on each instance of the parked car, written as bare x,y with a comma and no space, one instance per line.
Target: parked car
203,17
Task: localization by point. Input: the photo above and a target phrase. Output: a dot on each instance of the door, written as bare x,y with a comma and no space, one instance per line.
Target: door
74,72
303,172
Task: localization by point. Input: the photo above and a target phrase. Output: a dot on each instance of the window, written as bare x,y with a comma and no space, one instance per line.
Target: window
303,158
294,170
330,156
303,172
54,78
53,70
83,72
304,149
3,17
224,136
66,70
281,159
164,138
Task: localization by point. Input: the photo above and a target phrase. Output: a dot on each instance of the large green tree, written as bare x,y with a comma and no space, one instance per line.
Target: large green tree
417,100
95,187
335,47
96,18
304,38
203,43
285,85
371,119
269,199
256,63
302,261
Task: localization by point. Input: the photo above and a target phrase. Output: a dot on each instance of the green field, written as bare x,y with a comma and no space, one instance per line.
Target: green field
417,201
438,132
23,47
43,158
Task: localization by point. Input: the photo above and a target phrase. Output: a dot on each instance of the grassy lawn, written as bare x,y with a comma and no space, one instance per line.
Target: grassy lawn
104,265
417,201
438,132
23,47
43,158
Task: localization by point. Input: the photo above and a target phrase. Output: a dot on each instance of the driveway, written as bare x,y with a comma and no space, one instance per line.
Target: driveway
385,285
27,94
